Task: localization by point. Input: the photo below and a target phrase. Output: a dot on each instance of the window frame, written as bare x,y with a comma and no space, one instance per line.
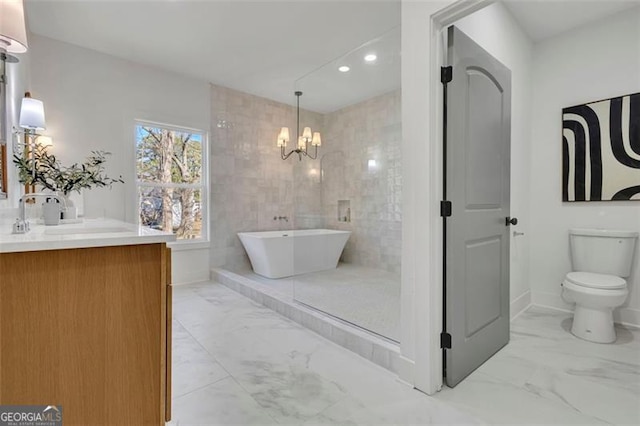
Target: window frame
182,244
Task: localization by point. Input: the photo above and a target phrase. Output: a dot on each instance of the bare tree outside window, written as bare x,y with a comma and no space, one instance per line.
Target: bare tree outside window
169,165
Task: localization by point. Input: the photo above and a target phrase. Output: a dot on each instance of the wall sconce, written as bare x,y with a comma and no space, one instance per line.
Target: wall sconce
303,140
32,114
31,120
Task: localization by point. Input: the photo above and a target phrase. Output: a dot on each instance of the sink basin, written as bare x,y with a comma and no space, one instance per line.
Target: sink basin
84,230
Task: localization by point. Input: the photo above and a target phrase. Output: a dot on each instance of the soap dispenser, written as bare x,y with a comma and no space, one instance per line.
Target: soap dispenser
51,211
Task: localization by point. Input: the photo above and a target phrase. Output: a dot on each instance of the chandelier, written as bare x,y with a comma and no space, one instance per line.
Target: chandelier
303,140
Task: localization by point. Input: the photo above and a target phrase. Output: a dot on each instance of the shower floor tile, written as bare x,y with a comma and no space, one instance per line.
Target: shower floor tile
366,297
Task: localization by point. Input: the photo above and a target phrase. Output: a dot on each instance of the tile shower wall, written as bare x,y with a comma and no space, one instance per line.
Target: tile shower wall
250,184
359,162
362,179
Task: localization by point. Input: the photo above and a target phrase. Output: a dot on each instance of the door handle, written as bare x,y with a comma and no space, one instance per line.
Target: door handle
510,221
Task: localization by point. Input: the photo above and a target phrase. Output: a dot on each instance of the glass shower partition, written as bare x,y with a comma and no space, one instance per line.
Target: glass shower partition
354,186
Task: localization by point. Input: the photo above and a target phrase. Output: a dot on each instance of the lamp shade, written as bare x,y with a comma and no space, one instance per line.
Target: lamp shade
32,114
306,134
13,33
316,139
283,137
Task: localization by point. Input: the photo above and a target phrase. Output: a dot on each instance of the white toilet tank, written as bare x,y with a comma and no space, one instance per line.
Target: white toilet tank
602,251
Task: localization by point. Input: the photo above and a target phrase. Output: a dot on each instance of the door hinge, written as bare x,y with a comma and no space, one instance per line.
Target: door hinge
445,340
446,74
445,208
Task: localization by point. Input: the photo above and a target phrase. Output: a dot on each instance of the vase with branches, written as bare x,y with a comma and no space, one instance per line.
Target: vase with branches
44,169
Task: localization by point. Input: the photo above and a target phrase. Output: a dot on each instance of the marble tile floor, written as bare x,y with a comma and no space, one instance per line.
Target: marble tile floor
545,375
368,345
366,297
239,363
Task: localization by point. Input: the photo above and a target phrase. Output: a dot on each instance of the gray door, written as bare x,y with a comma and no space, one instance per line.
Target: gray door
478,105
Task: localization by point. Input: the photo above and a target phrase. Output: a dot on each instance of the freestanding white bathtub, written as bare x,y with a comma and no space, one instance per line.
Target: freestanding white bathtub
278,254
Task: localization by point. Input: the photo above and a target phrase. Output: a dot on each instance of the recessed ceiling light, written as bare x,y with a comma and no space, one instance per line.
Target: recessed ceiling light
343,68
370,57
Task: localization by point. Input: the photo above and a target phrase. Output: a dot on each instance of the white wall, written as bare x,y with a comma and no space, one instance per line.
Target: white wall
496,31
91,101
599,61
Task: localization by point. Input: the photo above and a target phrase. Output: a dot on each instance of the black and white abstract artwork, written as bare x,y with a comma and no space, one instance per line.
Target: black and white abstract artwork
601,150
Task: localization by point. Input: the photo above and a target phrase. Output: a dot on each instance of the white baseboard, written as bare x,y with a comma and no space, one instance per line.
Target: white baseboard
520,304
625,316
550,300
184,278
629,317
190,266
406,368
198,281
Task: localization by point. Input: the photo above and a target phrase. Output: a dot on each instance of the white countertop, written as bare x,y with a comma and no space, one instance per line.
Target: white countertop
88,233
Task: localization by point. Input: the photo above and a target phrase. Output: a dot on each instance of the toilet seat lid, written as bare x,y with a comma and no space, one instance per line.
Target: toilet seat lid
592,280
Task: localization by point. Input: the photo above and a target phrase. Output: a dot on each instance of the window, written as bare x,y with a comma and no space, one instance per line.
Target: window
171,179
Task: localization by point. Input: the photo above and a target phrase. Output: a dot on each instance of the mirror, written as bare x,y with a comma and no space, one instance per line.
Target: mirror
7,94
4,58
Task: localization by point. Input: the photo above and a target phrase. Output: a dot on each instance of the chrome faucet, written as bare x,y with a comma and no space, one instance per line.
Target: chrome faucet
22,224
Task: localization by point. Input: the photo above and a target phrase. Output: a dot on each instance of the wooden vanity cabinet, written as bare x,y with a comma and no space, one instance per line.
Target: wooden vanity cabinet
88,329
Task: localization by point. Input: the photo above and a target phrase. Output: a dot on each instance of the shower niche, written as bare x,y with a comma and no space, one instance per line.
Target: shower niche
344,210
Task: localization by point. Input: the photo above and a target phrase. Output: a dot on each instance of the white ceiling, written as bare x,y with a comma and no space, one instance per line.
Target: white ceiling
269,47
542,19
327,89
259,47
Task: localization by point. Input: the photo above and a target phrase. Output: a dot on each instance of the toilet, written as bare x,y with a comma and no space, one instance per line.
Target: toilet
601,260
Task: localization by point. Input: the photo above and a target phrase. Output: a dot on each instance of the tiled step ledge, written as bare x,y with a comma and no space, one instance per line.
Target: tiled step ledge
374,348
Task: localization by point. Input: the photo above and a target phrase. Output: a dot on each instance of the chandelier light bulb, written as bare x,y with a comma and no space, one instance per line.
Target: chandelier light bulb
301,143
